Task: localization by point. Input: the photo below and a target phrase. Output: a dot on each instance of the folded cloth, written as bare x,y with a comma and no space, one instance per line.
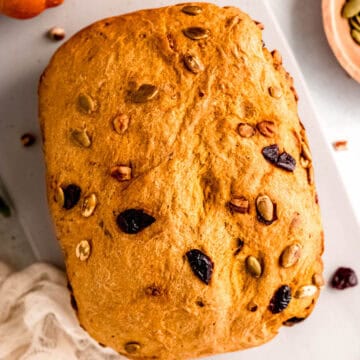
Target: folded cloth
37,321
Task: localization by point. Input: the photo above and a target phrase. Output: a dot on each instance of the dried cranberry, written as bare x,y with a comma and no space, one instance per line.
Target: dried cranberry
71,196
344,278
132,221
271,153
280,300
286,162
201,265
28,139
293,321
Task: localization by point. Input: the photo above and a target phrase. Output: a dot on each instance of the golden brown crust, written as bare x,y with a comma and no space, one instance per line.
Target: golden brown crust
190,170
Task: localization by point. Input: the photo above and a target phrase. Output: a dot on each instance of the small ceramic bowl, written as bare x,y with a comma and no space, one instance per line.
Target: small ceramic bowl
337,31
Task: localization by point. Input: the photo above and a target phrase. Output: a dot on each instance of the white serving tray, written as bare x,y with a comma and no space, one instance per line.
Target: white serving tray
333,330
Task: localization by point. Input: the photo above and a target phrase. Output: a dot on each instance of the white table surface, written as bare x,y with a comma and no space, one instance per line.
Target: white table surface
336,98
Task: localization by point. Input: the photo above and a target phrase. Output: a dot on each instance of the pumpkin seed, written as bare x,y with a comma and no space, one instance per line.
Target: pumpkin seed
59,196
277,58
56,33
296,95
253,266
239,204
305,163
132,347
305,152
120,123
87,104
290,256
88,205
192,10
83,250
265,208
260,25
355,34
81,138
246,130
351,8
310,175
318,280
145,93
266,128
196,33
275,92
306,291
193,64
354,24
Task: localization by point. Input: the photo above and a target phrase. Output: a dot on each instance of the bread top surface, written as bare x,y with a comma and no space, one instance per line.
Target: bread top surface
193,170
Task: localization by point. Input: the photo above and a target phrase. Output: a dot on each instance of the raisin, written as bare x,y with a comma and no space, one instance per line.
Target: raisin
271,153
201,265
344,278
280,300
132,221
286,162
71,196
293,321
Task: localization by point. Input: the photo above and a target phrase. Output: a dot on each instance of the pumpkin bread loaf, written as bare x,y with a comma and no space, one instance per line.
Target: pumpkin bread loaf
180,181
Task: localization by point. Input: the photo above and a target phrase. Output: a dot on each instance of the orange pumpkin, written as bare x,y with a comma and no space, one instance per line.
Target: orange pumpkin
24,9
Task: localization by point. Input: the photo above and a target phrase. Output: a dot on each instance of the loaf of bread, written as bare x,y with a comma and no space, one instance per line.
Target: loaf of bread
180,183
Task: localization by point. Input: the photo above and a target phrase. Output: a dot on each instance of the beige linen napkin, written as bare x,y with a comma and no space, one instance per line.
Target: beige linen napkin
37,321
